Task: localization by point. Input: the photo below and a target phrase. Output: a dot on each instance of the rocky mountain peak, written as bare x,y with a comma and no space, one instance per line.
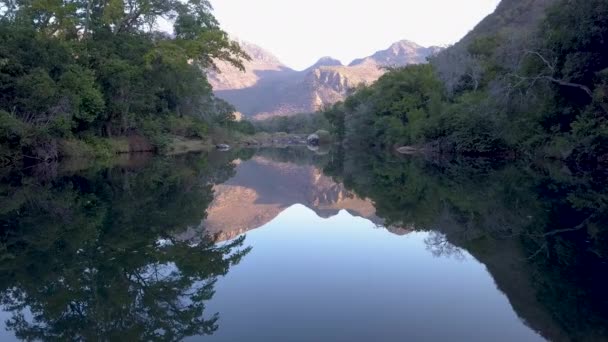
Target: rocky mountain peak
400,53
325,61
404,45
269,88
262,64
258,54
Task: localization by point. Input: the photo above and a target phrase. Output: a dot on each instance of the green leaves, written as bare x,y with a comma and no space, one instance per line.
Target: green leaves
78,87
113,12
36,92
531,91
82,68
392,110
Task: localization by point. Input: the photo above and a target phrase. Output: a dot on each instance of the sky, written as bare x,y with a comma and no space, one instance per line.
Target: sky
299,32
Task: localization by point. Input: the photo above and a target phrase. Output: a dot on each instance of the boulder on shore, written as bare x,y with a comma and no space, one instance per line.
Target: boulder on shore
222,147
408,150
319,137
313,140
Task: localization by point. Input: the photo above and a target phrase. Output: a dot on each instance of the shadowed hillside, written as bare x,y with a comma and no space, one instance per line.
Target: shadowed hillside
269,88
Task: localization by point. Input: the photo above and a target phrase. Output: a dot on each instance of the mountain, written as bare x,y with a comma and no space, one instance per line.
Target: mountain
325,62
269,88
262,65
511,17
403,52
514,21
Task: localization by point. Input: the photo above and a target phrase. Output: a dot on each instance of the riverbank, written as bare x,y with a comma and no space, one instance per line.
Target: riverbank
179,145
109,148
278,139
580,161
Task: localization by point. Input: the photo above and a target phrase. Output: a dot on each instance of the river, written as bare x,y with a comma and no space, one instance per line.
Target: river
298,245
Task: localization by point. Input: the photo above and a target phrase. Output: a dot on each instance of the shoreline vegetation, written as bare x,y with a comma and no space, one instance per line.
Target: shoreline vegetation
81,79
101,82
115,147
104,82
528,86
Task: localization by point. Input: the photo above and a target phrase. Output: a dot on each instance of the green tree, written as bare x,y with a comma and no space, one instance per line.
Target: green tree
89,68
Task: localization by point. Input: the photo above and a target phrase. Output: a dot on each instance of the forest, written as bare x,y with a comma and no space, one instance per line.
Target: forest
98,77
302,123
513,117
537,88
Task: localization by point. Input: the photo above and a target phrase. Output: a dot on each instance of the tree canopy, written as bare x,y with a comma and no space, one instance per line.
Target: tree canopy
531,91
86,68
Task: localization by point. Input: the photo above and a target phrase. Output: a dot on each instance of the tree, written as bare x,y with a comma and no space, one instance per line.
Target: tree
76,69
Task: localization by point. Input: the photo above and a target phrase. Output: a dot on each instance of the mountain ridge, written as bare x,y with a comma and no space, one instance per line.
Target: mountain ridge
325,61
269,88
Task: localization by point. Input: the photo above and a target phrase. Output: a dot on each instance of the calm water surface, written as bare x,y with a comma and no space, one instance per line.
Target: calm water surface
345,279
293,245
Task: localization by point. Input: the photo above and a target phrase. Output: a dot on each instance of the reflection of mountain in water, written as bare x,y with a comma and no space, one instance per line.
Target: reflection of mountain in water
262,189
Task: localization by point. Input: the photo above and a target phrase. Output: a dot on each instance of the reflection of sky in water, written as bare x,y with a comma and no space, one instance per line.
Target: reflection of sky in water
343,279
5,316
5,335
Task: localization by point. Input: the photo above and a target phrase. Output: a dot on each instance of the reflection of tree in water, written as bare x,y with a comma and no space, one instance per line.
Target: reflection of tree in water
541,230
439,245
298,155
93,256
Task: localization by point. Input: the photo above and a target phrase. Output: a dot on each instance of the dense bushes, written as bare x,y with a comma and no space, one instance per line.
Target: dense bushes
105,72
409,106
303,123
542,92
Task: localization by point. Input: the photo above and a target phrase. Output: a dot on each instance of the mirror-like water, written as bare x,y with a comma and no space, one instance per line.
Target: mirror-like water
292,245
344,279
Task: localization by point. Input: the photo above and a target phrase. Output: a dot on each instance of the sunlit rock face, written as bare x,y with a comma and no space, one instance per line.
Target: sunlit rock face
268,88
401,53
262,64
262,189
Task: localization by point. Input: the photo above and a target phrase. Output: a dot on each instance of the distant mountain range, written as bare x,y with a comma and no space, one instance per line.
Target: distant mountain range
269,88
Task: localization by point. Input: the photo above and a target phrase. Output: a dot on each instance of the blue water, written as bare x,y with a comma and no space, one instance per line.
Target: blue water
345,279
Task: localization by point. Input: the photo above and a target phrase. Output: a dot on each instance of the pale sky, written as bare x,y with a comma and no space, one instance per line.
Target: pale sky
299,32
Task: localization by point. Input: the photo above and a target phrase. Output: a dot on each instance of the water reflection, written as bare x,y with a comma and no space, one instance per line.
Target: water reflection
262,188
540,229
152,249
92,255
342,278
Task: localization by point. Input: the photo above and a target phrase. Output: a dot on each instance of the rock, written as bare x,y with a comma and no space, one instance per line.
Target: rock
222,147
320,137
313,140
408,150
